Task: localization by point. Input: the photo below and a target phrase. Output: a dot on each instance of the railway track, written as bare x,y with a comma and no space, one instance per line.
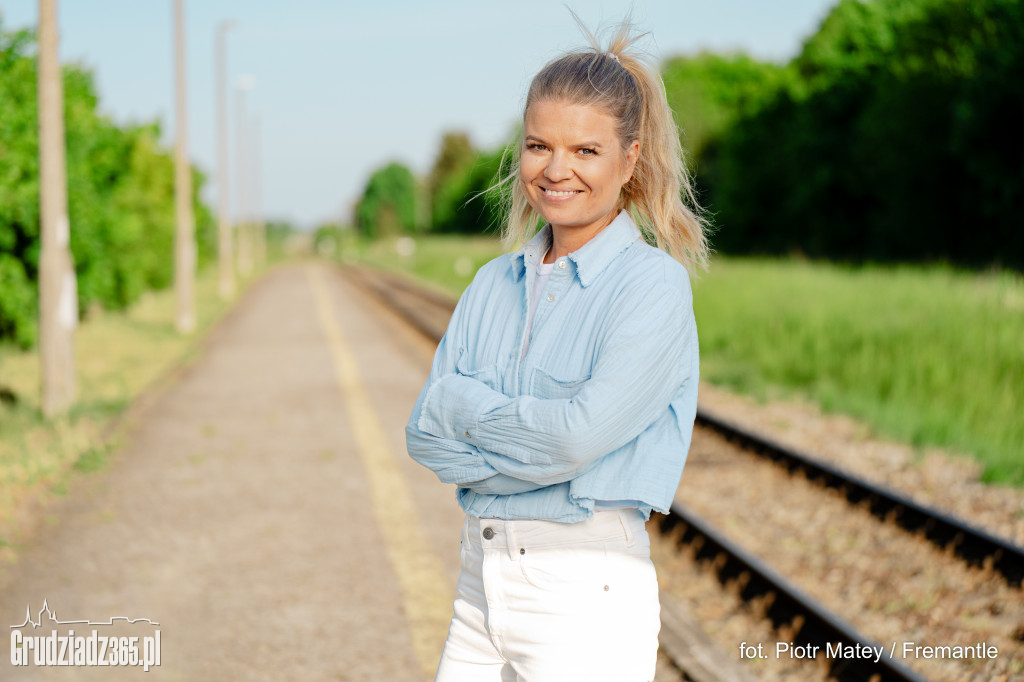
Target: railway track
812,624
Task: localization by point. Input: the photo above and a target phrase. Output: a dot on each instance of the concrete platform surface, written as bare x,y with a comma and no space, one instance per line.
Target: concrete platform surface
262,511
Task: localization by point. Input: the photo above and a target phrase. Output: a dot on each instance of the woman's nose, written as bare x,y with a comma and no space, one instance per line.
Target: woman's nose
558,168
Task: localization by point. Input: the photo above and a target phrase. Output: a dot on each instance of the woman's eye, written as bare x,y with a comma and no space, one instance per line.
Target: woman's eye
588,152
536,147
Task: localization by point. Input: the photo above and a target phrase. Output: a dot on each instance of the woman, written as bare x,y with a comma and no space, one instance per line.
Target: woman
562,397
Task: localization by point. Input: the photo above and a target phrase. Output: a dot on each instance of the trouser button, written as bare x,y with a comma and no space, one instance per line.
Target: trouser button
488,533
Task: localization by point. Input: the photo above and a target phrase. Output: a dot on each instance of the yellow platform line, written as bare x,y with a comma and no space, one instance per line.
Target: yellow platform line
427,594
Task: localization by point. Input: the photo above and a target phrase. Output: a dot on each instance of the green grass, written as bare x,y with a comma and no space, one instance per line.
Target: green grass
930,356
927,355
446,262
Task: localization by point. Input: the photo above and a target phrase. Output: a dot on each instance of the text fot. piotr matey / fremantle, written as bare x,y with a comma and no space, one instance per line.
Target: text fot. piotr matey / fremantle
840,650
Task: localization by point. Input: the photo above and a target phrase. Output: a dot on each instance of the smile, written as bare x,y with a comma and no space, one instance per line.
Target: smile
565,193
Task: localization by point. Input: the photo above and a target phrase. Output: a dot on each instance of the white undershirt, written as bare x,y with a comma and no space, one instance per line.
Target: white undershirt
544,271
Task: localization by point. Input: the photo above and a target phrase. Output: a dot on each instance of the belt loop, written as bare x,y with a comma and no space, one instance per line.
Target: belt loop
625,526
511,540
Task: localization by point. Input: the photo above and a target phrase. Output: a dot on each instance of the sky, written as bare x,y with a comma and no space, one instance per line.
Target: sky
341,88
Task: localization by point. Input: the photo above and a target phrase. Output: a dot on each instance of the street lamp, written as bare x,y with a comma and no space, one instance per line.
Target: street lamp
184,236
245,255
225,248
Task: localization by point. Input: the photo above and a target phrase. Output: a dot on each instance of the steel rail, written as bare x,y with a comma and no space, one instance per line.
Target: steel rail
813,624
972,544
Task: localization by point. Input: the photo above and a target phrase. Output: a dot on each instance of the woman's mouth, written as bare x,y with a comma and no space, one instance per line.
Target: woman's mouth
561,192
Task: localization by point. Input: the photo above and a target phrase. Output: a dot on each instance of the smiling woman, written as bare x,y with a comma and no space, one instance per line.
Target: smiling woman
573,169
562,397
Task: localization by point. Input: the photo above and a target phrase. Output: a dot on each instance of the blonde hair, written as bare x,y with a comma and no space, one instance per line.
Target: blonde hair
659,194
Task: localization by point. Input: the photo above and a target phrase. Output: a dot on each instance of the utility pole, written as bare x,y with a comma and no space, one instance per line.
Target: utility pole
225,248
184,236
259,227
243,219
58,288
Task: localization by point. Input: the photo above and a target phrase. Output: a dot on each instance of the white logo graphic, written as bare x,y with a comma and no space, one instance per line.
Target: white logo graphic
69,650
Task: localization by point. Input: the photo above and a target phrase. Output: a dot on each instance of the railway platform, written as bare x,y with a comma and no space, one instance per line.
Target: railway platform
261,513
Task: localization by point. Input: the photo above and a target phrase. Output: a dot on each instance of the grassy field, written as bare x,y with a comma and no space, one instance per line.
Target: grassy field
117,356
927,355
446,262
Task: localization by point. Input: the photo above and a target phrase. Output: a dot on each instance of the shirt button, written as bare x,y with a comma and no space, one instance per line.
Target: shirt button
467,433
488,533
561,264
455,432
551,298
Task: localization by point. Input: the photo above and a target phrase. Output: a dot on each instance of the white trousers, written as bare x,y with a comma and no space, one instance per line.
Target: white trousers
539,601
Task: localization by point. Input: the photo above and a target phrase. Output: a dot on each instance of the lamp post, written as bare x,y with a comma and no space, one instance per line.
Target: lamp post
58,289
184,236
225,247
243,218
259,227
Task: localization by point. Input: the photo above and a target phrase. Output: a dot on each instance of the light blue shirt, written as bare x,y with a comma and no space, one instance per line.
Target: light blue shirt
601,407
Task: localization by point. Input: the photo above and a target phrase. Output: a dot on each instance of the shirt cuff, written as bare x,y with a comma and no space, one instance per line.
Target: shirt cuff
453,405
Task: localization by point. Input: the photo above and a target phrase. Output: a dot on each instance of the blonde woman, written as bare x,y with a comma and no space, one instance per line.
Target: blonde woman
562,397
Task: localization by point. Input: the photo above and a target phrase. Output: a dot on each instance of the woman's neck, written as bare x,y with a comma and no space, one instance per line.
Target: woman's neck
565,240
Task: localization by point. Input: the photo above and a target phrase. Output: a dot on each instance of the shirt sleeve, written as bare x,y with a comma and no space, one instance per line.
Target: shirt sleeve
452,460
639,369
456,462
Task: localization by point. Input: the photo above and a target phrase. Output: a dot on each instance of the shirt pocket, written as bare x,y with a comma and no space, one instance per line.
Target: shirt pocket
489,375
547,387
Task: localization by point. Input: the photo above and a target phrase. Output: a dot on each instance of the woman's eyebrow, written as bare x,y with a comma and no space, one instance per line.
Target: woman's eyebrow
578,145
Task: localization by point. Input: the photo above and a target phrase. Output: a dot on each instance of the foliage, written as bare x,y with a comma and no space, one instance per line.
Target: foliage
388,204
331,240
464,202
455,156
120,186
887,138
709,92
280,234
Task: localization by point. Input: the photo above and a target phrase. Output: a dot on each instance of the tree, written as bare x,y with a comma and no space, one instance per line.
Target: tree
120,197
454,158
388,204
893,143
709,92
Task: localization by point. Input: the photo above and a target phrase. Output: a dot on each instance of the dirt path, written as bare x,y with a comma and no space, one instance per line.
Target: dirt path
246,516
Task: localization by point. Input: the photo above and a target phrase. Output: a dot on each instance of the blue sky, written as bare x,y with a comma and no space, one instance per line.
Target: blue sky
345,87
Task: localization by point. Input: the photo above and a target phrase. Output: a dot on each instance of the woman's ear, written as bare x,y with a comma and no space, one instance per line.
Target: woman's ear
632,154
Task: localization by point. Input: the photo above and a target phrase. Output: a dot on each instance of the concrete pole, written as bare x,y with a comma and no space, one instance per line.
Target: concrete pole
58,288
225,246
184,236
259,227
242,217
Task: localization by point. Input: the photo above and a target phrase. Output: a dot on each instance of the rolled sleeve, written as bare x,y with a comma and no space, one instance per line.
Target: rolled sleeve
452,460
451,407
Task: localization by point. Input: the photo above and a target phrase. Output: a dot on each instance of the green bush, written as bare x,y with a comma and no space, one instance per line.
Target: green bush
120,186
889,138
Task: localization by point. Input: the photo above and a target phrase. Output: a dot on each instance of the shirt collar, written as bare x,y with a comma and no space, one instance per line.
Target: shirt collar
590,259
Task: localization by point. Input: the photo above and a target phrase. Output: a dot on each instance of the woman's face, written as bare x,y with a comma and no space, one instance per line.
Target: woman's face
572,166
